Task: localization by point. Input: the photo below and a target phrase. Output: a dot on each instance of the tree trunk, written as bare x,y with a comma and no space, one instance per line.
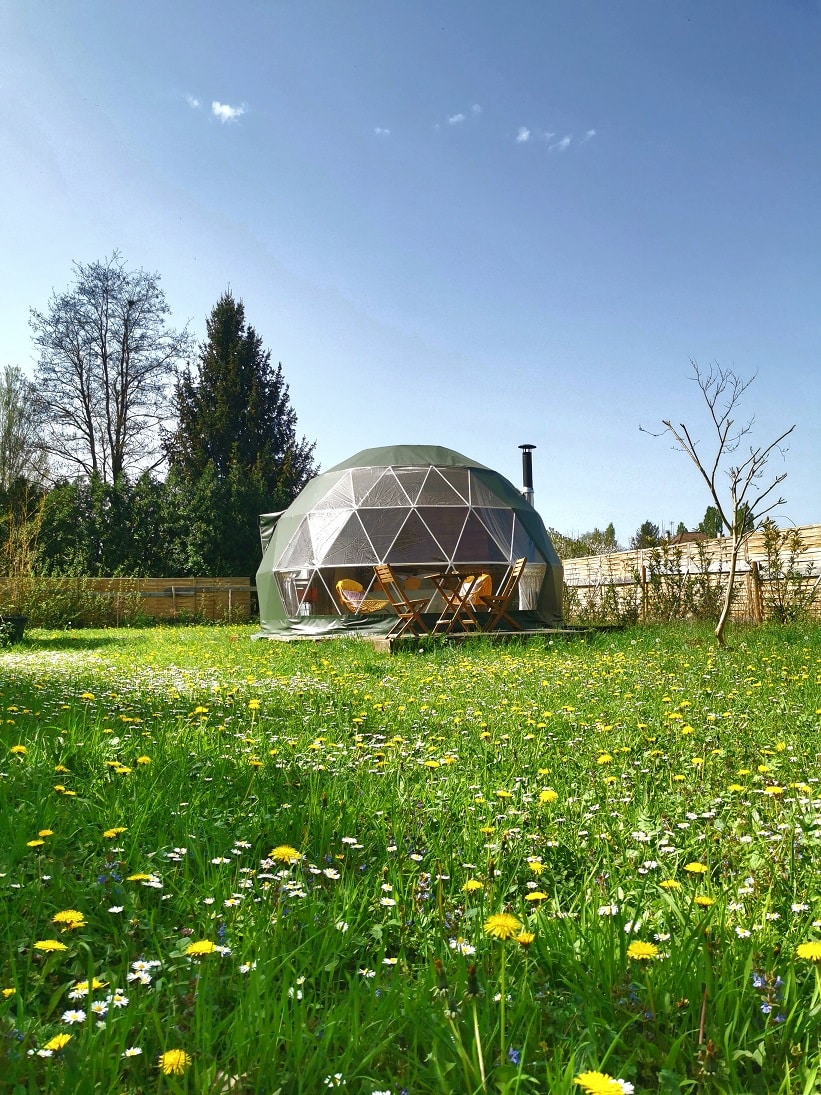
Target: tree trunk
728,596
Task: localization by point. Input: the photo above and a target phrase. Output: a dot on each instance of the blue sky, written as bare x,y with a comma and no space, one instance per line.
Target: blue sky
460,223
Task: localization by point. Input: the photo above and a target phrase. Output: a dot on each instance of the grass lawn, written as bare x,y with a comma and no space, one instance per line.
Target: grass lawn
229,866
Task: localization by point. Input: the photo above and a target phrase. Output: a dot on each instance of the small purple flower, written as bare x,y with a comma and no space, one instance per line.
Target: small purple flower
514,1055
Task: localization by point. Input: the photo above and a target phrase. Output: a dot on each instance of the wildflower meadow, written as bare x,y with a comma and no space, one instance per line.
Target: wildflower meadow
561,866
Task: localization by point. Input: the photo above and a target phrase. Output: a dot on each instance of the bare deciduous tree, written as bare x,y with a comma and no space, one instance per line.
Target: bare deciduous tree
105,367
747,494
21,454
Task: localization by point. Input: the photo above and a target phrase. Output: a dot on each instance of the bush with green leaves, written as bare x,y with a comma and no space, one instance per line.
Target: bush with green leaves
789,587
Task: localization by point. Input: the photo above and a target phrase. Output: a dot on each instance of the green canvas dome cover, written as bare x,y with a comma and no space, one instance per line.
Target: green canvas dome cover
417,507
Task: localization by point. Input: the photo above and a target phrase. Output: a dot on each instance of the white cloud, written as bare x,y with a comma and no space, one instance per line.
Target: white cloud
380,132
562,145
456,119
192,101
589,135
227,113
523,134
476,110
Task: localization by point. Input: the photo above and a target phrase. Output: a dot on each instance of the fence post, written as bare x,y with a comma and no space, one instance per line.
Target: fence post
643,591
754,592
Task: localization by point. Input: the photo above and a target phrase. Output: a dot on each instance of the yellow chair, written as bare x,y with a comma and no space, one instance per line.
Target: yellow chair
353,598
480,588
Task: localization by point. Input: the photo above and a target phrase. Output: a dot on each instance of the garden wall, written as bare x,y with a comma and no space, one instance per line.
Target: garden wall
767,582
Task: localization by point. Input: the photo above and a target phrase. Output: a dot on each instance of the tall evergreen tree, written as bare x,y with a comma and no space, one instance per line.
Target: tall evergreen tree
235,412
647,535
235,452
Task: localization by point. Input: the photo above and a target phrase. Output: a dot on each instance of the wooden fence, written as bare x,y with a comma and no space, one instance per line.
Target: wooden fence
626,579
226,599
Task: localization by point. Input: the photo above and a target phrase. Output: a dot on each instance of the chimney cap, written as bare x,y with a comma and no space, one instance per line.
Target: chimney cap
527,447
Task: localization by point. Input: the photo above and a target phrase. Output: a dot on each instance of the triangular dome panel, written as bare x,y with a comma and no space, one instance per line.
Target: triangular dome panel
499,523
415,544
412,480
482,495
351,547
363,480
382,526
300,550
439,492
341,494
446,523
386,491
326,525
476,545
460,480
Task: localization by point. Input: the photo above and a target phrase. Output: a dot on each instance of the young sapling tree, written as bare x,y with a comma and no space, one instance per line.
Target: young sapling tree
733,468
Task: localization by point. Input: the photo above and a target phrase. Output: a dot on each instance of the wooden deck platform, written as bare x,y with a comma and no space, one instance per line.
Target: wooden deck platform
393,644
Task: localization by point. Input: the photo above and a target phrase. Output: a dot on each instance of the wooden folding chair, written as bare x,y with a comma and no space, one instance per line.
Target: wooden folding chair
406,608
498,602
456,592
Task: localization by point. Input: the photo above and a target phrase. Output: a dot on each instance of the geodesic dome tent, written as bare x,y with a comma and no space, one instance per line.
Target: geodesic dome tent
419,508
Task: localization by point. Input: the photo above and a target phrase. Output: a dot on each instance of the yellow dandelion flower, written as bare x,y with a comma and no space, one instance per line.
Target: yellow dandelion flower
46,832
253,705
604,758
535,865
525,938
200,947
35,843
504,794
8,992
502,926
598,1083
809,951
670,884
548,795
284,853
536,895
18,750
472,885
71,918
143,760
84,987
173,1062
55,1044
115,831
696,868
139,877
50,945
641,951
704,901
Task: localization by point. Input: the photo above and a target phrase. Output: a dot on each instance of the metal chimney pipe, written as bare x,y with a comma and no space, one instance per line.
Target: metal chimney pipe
527,472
